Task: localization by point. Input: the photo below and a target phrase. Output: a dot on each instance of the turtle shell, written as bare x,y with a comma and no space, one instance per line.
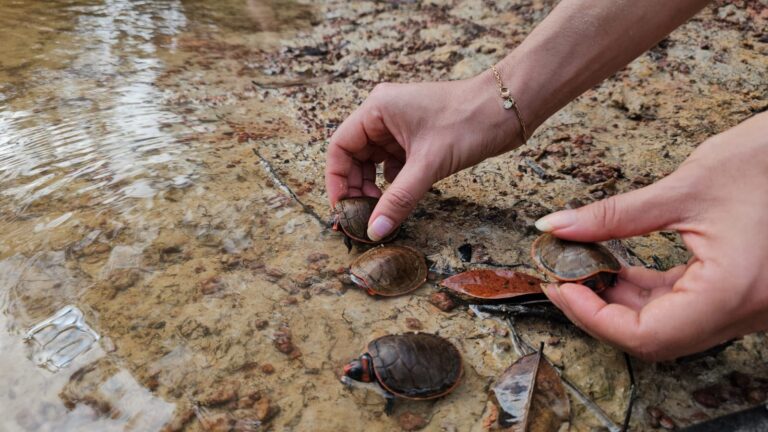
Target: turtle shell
570,261
389,270
351,216
416,365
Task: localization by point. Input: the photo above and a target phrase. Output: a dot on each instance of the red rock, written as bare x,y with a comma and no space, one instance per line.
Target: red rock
410,421
316,256
264,410
413,324
442,301
211,285
667,423
707,397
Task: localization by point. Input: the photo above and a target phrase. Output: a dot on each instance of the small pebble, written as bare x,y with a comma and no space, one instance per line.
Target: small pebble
262,324
220,396
274,274
316,256
245,402
211,285
706,397
654,412
667,423
264,410
756,396
267,369
740,380
220,422
442,301
413,324
410,421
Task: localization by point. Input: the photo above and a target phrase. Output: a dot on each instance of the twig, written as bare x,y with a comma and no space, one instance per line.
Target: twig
586,401
279,182
537,169
632,393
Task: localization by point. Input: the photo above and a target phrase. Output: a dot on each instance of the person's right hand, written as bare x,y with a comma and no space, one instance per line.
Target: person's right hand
422,133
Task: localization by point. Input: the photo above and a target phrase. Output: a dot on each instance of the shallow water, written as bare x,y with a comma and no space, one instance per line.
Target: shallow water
161,172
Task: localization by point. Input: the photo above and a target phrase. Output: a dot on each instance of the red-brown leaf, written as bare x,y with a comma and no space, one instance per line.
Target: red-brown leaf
498,284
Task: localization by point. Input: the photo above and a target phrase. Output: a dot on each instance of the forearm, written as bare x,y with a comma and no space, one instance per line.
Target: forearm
581,43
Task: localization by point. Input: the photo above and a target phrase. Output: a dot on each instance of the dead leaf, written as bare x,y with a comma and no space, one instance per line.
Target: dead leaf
531,397
497,284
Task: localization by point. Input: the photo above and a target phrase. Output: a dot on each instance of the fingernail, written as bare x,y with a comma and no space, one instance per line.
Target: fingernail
380,228
556,221
549,289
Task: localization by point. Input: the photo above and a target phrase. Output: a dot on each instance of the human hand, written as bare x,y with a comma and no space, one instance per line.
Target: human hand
422,133
718,201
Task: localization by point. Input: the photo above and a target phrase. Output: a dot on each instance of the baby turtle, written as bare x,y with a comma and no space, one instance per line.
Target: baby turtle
410,365
351,216
589,264
389,270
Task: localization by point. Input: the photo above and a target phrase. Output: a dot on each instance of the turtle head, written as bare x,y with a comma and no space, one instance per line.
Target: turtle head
360,369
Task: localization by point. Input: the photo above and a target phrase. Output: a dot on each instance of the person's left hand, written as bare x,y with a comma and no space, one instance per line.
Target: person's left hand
718,201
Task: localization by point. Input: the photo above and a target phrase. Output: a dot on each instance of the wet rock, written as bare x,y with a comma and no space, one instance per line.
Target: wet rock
183,416
316,257
265,410
345,279
211,285
707,397
756,396
247,425
120,280
273,274
304,280
283,342
225,393
169,244
95,249
191,328
413,324
219,422
667,423
329,287
409,421
740,380
442,301
244,402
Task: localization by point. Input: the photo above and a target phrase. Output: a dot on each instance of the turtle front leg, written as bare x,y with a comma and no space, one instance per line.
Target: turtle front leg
389,406
348,243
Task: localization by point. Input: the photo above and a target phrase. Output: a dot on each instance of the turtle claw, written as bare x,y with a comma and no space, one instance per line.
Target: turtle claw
389,407
348,243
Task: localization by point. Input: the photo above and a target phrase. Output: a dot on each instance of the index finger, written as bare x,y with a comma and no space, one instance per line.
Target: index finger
349,138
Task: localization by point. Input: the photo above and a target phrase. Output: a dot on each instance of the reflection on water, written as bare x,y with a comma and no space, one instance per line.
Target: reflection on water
111,217
96,125
83,126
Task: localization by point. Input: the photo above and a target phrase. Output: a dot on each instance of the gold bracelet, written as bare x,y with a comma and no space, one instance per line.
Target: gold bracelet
510,103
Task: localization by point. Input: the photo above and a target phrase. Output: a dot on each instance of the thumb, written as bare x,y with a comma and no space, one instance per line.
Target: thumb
639,212
399,199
